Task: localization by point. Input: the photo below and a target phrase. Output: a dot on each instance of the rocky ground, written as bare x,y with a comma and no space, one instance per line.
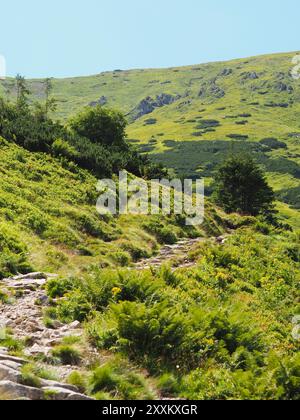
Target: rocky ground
24,317
177,255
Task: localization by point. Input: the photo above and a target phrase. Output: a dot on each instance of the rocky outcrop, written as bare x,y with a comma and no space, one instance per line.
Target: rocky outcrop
251,75
13,388
101,101
283,87
225,72
149,104
211,89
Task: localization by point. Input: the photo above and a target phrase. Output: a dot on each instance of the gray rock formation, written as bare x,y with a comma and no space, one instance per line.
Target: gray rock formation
251,75
225,72
149,104
211,89
283,87
101,101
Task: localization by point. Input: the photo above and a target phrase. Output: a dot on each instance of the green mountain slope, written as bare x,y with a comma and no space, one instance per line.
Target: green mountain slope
194,116
49,222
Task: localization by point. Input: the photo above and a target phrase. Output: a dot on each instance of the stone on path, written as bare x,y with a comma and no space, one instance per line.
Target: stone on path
13,391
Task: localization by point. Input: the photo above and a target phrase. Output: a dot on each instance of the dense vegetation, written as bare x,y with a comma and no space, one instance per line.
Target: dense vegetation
199,114
95,139
222,330
241,187
49,222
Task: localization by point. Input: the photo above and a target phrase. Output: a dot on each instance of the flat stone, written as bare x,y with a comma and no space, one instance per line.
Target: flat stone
53,384
37,350
12,359
30,284
75,325
10,364
63,394
9,374
14,391
29,276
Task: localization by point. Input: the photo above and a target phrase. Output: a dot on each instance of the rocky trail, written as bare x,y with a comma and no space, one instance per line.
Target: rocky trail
24,317
176,255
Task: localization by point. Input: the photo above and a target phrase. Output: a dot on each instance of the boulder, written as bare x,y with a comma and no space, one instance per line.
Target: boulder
149,104
9,374
10,364
53,384
37,350
13,391
225,72
12,359
101,101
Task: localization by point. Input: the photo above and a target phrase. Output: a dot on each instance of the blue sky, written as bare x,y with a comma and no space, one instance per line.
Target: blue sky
60,38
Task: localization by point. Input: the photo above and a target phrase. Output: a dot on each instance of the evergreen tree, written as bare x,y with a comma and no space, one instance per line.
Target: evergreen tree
22,91
242,187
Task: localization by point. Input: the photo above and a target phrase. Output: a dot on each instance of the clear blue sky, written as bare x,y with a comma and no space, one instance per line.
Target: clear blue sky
70,37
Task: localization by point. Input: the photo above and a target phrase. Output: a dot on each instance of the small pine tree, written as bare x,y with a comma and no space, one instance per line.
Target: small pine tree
22,91
241,187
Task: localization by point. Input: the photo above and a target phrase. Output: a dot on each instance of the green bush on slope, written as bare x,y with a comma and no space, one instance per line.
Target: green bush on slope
222,330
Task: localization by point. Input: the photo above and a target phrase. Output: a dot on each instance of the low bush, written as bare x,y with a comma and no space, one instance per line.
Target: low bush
67,355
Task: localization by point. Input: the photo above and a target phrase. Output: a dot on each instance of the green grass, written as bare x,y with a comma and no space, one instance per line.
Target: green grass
49,222
220,330
240,118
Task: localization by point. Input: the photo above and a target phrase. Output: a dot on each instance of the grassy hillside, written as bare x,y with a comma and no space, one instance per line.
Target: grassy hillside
49,222
201,113
219,327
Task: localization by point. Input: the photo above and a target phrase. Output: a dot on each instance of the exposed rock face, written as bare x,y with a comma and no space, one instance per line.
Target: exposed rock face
283,87
211,89
251,75
15,391
101,101
225,72
148,105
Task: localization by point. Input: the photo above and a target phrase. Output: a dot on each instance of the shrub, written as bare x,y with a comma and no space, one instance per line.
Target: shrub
37,221
121,258
241,187
79,380
61,147
136,252
59,287
74,307
67,355
273,143
119,380
29,376
164,234
168,385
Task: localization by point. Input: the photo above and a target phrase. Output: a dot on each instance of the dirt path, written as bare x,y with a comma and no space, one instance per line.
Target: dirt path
23,315
176,255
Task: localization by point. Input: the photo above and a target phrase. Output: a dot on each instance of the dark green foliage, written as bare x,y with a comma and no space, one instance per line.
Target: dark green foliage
238,137
241,187
222,330
97,141
273,143
101,126
67,355
164,234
